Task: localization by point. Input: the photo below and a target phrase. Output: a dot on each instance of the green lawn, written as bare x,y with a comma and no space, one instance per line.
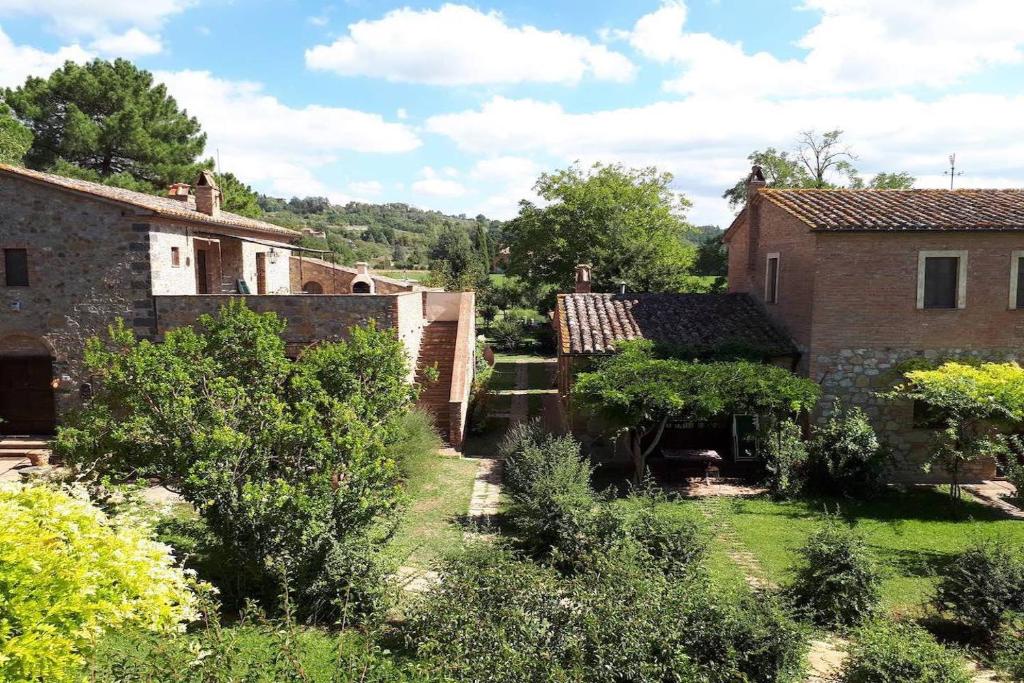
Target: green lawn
439,488
504,376
415,275
914,534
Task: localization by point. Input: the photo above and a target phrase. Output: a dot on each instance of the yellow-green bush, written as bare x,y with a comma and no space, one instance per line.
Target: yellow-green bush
69,573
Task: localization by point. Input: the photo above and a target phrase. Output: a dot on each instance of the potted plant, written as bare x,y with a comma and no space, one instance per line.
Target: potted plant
39,458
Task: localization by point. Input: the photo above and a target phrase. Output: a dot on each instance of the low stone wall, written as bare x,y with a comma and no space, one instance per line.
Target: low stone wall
310,318
856,376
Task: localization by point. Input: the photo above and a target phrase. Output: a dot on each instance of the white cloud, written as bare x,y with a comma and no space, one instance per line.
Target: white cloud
432,184
320,20
127,28
857,45
512,179
402,114
18,62
704,141
273,145
370,188
131,43
459,45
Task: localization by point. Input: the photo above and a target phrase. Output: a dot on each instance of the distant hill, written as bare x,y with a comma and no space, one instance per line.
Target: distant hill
386,235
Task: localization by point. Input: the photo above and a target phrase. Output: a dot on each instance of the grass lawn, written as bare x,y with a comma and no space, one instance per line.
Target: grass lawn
439,488
914,534
485,442
414,275
504,376
538,375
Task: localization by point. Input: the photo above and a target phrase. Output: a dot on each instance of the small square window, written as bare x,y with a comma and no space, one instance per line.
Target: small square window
175,257
771,279
16,267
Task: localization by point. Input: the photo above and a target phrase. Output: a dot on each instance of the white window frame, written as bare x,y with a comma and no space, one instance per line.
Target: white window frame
961,276
767,272
1015,256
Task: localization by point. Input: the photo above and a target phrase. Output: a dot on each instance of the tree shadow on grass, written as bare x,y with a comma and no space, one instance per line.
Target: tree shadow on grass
920,563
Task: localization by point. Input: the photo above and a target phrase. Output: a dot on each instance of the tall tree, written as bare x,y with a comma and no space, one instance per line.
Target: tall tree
627,223
15,139
109,118
819,161
482,243
237,197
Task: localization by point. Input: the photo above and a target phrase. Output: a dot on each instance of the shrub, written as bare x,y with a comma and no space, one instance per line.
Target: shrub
495,618
509,332
290,463
901,653
677,543
785,457
845,454
1010,647
982,585
68,574
1013,447
839,582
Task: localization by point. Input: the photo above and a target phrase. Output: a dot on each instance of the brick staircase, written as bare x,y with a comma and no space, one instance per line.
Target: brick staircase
437,348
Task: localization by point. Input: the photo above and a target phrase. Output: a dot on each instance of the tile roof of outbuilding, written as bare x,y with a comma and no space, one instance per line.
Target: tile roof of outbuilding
902,210
162,206
594,323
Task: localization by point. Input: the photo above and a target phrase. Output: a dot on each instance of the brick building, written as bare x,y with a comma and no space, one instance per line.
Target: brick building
77,255
863,280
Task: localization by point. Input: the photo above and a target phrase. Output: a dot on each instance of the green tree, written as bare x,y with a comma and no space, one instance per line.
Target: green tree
637,394
819,161
110,118
627,223
15,139
481,243
454,264
287,461
237,197
972,402
712,258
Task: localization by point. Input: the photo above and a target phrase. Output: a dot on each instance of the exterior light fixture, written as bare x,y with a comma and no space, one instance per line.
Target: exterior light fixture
273,255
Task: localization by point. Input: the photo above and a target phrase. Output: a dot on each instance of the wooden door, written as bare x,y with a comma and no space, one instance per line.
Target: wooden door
261,273
26,395
202,273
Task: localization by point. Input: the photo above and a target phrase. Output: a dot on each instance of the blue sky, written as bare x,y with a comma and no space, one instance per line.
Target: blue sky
459,107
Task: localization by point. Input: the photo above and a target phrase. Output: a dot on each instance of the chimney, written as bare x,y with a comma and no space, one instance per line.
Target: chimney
207,194
755,182
179,191
362,268
622,288
583,278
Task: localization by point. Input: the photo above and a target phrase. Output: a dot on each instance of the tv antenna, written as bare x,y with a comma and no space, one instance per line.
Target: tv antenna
952,172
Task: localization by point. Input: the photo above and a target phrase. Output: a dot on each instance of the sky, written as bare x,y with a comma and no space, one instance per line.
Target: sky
459,107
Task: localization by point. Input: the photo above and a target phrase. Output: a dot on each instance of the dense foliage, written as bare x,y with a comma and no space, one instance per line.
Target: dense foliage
627,223
109,118
785,460
839,580
982,586
901,653
968,400
15,139
846,457
288,462
636,393
69,574
493,617
1009,647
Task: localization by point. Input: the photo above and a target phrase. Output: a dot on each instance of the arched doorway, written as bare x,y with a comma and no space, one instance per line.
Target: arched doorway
312,287
362,287
26,386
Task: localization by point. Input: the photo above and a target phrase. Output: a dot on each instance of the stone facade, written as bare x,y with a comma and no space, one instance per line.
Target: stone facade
849,300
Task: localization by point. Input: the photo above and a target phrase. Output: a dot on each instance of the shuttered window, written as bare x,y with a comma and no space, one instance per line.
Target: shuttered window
771,279
1020,282
16,267
941,275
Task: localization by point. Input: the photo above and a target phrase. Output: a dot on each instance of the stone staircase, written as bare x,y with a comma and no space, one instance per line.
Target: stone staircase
20,446
437,349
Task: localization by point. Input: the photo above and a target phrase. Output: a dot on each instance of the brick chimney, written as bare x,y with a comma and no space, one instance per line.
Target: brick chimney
755,182
179,191
207,194
583,272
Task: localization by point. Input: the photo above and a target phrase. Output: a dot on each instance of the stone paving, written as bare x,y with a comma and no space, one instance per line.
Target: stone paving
995,494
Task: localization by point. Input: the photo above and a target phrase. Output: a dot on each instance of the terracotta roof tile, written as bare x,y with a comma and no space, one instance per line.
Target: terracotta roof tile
594,323
162,206
903,210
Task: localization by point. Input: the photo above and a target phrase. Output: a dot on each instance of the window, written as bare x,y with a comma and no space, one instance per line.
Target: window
771,279
16,267
175,257
1017,279
942,279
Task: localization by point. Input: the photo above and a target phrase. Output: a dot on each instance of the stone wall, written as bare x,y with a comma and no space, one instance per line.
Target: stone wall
89,263
856,376
168,278
310,318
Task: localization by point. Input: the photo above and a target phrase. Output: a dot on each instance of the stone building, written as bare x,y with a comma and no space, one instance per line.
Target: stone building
864,280
78,255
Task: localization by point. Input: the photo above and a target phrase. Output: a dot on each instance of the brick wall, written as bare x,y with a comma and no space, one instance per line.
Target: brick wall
89,263
409,323
336,280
